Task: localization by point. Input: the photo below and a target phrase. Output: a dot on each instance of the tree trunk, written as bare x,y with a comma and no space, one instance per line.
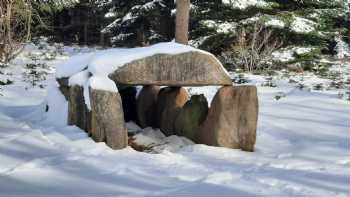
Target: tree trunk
182,21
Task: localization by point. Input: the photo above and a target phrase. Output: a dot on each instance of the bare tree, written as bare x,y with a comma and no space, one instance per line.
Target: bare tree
182,21
254,48
15,27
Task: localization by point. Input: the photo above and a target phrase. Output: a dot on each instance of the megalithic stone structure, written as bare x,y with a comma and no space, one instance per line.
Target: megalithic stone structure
231,120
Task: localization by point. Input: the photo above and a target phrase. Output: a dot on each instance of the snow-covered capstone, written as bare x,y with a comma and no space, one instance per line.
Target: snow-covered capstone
193,68
168,64
97,106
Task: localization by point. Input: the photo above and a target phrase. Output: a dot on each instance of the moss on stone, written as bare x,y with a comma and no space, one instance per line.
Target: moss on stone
191,116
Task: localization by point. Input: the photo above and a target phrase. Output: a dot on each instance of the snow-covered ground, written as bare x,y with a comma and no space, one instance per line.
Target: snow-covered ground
302,148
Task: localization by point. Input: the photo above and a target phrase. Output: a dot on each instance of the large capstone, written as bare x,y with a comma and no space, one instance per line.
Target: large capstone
169,103
232,119
191,116
146,105
107,123
185,69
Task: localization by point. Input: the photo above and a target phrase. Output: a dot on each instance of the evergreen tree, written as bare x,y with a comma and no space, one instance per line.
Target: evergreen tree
140,23
308,23
72,21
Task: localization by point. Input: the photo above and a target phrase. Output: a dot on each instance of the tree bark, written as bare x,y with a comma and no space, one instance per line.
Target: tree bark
182,21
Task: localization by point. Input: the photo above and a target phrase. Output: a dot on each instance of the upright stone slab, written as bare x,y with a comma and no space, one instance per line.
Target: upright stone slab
146,104
191,116
64,86
170,101
232,119
78,114
108,119
88,122
248,109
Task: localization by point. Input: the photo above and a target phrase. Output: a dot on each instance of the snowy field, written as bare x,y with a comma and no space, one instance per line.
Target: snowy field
302,148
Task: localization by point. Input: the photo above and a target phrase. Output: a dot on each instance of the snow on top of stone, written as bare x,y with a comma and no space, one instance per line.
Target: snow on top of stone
79,78
104,62
107,61
102,83
100,64
74,65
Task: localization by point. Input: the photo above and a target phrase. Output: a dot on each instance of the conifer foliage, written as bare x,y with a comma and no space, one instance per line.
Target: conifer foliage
315,26
140,23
